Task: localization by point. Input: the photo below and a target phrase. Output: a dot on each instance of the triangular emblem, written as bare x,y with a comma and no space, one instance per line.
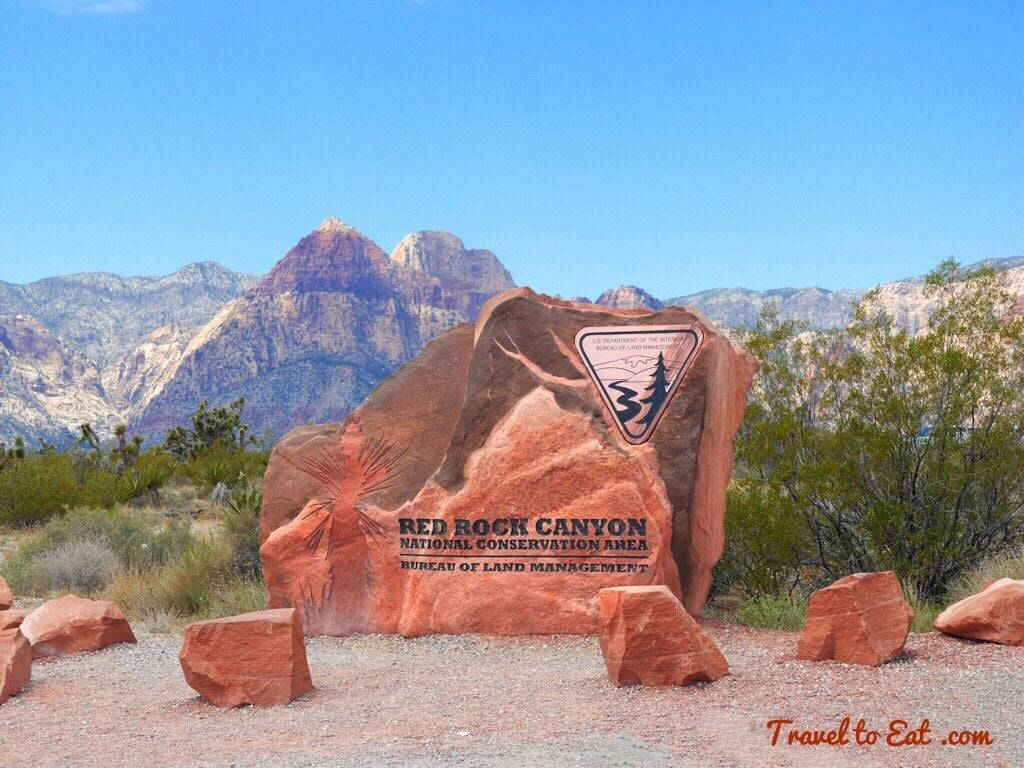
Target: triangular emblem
637,370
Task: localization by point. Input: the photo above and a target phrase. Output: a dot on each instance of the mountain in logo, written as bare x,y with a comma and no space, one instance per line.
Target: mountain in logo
637,370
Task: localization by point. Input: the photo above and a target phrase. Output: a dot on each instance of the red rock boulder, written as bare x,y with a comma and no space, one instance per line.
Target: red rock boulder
859,619
647,637
6,596
256,658
487,486
72,624
15,663
12,618
995,614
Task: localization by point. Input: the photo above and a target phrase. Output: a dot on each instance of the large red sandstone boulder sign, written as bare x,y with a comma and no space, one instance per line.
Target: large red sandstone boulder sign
72,624
647,637
6,597
512,470
15,663
995,614
860,619
256,658
12,618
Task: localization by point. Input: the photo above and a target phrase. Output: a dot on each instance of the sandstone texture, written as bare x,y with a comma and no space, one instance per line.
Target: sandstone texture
72,624
6,596
996,614
648,638
256,658
12,617
499,425
859,619
15,663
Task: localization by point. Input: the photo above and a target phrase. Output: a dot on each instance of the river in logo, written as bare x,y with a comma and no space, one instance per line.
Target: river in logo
637,370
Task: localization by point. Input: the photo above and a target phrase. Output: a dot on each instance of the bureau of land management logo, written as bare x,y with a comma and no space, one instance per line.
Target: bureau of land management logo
637,370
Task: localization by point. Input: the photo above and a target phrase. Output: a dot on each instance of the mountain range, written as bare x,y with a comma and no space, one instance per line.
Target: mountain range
304,343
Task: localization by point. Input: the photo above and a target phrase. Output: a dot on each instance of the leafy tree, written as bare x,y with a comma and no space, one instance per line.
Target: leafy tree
878,449
210,427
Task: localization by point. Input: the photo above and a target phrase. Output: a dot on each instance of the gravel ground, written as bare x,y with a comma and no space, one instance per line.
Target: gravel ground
538,702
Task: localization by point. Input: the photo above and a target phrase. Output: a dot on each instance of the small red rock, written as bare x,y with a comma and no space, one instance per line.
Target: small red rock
12,618
859,619
257,658
6,596
647,637
71,624
995,614
15,663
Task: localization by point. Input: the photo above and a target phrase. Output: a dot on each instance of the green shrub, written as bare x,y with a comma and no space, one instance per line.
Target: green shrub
924,611
79,565
138,540
773,612
1005,565
35,488
233,596
225,464
151,472
188,585
240,521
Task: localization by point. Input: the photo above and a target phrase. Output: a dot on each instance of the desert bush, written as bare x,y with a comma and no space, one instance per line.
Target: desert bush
1004,565
232,596
138,540
773,612
225,464
35,488
240,521
148,475
882,450
924,610
187,586
79,565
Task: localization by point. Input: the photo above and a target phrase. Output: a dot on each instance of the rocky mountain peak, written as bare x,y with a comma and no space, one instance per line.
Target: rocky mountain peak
629,297
334,258
442,255
331,224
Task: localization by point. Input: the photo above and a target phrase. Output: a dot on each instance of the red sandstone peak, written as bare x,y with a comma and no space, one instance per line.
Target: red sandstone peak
333,258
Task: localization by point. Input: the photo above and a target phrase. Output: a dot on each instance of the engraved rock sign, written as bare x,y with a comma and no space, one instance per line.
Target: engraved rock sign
637,370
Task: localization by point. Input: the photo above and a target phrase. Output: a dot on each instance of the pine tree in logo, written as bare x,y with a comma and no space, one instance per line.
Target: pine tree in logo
657,392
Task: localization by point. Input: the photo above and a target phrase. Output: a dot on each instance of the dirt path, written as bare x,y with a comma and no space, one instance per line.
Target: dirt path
483,701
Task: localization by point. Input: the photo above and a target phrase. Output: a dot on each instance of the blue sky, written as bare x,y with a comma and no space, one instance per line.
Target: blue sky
674,146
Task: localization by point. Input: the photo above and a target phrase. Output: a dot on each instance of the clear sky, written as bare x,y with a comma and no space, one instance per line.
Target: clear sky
675,146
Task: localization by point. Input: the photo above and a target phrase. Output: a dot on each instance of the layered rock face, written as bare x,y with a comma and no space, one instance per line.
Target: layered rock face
46,386
485,488
15,663
256,658
102,316
648,638
332,319
996,614
72,624
862,618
